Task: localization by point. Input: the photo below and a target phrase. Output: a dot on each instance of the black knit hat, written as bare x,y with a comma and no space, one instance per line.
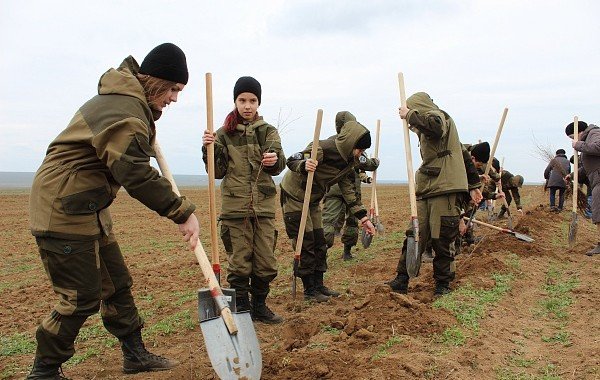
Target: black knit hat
166,61
581,126
561,151
247,84
481,151
364,142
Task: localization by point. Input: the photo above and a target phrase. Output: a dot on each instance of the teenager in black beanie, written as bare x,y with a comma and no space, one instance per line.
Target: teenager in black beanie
107,145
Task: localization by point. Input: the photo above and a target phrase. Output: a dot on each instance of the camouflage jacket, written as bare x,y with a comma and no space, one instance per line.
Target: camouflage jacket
443,168
336,163
107,144
247,188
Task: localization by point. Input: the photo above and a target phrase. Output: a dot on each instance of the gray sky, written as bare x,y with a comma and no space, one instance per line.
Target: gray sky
541,59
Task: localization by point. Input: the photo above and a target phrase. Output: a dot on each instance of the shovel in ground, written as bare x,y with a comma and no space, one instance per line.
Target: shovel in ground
516,234
573,225
413,254
378,225
230,339
305,204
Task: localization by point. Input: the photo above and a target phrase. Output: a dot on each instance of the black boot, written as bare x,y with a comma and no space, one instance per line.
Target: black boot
594,251
43,371
322,288
441,288
137,359
261,312
501,213
399,284
310,291
242,301
347,254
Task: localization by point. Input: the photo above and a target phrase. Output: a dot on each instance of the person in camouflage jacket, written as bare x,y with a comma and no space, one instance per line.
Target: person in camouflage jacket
510,187
336,159
106,146
336,213
248,153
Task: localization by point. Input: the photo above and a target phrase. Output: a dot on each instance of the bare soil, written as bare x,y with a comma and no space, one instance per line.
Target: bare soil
367,333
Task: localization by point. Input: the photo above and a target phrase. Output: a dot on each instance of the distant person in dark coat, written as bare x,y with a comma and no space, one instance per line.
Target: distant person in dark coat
555,173
589,146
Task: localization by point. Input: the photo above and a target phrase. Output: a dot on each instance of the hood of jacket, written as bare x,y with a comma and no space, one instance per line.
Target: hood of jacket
342,118
350,133
122,80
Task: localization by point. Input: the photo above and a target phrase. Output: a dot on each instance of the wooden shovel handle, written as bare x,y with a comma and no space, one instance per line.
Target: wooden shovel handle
408,152
374,177
309,182
376,204
209,275
575,163
210,153
496,140
488,225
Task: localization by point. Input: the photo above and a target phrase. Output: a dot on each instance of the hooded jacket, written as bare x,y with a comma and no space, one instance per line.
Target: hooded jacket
443,168
336,163
589,146
107,144
556,171
247,188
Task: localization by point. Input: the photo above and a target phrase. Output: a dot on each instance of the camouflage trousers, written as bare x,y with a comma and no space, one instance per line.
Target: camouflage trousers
439,217
250,246
87,276
313,256
335,213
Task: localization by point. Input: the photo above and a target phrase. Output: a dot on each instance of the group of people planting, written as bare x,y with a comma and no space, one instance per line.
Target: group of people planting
108,145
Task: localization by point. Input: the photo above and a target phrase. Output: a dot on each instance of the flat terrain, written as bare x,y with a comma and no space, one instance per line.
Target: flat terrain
519,310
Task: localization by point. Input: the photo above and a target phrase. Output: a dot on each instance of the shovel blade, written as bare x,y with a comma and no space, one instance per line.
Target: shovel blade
365,238
524,237
413,257
233,356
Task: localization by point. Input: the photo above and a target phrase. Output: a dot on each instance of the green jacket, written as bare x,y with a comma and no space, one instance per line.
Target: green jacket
107,144
247,188
443,168
359,175
336,164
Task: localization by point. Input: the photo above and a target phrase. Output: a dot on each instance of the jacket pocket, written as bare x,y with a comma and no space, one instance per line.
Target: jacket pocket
87,202
430,171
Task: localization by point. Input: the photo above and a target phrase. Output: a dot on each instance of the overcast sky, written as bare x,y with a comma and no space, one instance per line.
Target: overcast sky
541,59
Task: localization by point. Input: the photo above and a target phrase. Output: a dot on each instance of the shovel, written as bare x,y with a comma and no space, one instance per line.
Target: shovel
230,339
212,208
413,254
573,226
516,234
378,225
366,238
307,192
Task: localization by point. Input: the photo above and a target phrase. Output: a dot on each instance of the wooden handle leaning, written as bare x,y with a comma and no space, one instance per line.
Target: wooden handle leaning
209,275
488,225
408,152
212,205
308,190
374,177
496,140
575,163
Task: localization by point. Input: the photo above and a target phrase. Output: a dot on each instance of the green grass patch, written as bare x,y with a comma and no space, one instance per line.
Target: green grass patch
330,330
453,336
468,304
382,351
17,344
558,292
9,371
561,337
185,297
80,358
172,324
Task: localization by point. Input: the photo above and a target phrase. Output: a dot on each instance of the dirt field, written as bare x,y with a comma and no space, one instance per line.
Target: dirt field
519,311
